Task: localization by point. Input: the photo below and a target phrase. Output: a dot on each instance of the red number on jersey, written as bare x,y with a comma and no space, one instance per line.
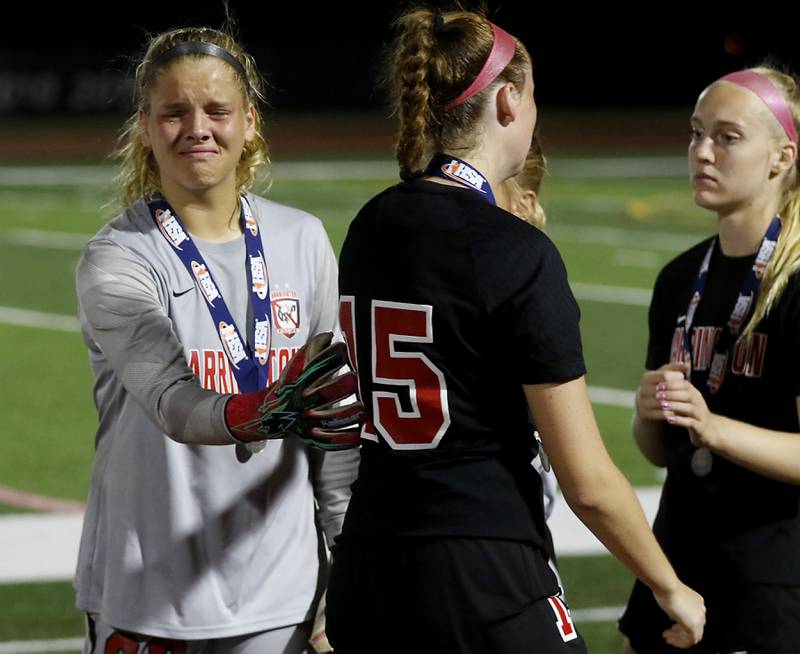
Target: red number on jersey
424,425
348,324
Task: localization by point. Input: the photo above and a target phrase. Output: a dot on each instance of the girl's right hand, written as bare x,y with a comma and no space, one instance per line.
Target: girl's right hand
688,609
648,404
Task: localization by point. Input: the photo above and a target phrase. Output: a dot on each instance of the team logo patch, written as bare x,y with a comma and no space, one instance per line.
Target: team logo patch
462,173
205,282
171,228
250,222
286,312
233,345
262,341
258,273
563,619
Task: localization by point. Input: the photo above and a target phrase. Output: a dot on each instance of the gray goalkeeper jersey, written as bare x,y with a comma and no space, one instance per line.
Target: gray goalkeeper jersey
180,539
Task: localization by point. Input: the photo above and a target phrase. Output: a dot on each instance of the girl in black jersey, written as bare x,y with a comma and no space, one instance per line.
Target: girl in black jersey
718,405
459,318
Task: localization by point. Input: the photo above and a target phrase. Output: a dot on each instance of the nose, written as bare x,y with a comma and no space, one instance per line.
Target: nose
702,149
197,128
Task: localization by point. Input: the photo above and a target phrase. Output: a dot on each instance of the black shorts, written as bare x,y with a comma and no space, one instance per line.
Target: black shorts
746,618
448,596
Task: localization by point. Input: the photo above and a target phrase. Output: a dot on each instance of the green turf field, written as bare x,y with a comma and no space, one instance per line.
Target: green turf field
612,231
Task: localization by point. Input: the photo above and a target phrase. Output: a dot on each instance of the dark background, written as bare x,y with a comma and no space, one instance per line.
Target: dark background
73,58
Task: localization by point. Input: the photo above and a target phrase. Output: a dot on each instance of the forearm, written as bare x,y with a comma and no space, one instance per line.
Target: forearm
611,510
773,454
649,436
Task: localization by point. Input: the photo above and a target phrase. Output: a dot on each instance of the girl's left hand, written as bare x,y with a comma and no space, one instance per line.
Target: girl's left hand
683,405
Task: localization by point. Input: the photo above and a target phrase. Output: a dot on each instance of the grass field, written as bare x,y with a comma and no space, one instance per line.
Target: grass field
614,232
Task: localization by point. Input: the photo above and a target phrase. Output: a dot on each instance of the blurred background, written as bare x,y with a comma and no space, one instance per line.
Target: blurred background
615,87
594,67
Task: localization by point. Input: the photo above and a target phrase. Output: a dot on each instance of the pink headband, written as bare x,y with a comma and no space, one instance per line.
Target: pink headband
763,87
503,49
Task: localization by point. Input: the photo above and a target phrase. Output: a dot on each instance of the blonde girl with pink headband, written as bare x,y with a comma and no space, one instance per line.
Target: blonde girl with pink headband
460,321
719,403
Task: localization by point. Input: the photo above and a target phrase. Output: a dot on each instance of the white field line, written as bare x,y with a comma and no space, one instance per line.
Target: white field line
40,319
35,646
638,297
92,176
627,238
44,546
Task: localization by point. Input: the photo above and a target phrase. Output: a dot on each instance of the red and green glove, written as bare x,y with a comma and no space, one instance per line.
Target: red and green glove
303,402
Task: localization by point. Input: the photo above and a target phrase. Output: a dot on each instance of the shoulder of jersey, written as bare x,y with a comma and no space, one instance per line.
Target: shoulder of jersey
267,211
691,257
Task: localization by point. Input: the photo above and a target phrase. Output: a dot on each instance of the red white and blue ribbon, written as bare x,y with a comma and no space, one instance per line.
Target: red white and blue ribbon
250,365
448,167
745,301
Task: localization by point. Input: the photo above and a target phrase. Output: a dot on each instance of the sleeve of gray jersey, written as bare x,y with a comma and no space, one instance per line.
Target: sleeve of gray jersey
332,475
332,472
122,314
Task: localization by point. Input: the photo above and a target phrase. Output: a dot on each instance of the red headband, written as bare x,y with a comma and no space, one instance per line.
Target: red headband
763,87
503,49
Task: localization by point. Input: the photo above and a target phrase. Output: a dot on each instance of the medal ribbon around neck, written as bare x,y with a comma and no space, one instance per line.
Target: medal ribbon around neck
250,365
449,167
745,301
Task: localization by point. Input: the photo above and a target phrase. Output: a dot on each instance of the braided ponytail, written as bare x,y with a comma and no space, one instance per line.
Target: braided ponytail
434,58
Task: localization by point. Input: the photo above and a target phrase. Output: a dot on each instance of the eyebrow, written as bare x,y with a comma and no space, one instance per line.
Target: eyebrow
719,123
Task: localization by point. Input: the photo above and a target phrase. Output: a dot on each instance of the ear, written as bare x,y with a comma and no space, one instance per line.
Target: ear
145,134
526,203
507,100
250,123
786,158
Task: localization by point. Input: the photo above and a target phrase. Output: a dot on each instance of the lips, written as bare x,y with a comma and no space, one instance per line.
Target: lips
198,152
703,178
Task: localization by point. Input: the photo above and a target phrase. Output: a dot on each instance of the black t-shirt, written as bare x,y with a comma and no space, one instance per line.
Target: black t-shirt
732,521
453,304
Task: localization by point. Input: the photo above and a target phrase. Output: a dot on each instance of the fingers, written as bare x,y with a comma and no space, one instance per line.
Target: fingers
317,343
331,389
337,417
341,439
329,360
679,637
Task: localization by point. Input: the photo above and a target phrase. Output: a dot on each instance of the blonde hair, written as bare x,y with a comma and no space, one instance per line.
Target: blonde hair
139,175
529,179
786,258
434,58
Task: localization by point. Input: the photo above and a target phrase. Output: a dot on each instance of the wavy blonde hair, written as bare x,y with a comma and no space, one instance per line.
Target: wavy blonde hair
786,258
430,65
139,175
529,179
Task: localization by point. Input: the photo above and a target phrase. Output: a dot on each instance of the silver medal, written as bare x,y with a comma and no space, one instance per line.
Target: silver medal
702,461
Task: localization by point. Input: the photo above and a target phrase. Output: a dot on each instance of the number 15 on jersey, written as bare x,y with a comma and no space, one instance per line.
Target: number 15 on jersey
403,373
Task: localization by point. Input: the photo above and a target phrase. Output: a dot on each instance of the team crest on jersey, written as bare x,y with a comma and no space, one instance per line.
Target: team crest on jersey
286,312
250,222
460,172
258,273
171,228
262,341
205,282
233,345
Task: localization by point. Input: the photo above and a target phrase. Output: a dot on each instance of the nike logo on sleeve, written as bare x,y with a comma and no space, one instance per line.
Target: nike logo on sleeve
179,293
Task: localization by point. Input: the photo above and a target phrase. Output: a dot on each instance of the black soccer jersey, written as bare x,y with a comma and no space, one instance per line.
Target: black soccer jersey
450,305
731,521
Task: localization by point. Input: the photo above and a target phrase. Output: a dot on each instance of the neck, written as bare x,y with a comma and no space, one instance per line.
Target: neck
211,215
741,232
